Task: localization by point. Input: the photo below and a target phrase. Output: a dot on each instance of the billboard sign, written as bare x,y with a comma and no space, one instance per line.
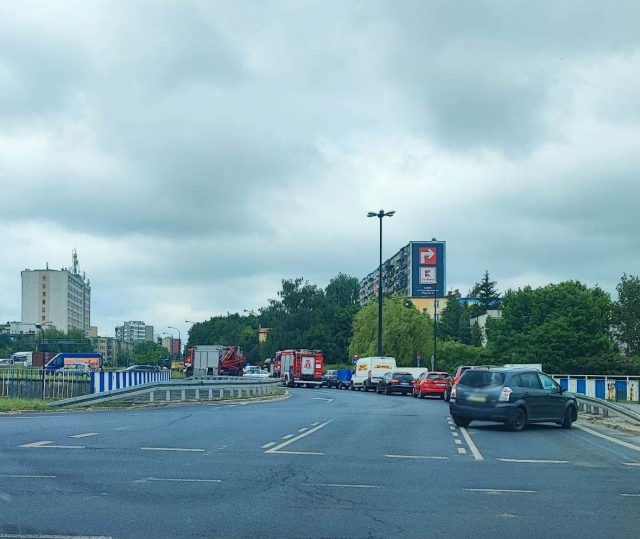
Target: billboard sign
428,269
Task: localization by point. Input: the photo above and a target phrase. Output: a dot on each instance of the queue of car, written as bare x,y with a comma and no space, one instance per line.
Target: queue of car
515,395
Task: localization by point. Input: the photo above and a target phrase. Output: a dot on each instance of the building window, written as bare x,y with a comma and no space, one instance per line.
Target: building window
44,301
44,277
44,318
44,294
44,286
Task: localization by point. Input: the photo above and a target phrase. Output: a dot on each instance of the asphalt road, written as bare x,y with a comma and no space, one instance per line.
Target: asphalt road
323,463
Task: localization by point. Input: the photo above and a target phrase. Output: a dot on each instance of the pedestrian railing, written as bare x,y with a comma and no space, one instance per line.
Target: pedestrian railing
31,383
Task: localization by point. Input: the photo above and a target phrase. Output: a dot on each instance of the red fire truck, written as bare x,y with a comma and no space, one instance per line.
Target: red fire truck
300,367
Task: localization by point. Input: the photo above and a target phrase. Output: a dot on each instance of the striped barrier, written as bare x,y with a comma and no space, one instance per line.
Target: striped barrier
611,388
101,382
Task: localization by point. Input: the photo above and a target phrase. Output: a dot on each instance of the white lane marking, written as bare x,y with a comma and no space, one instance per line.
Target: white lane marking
47,445
294,452
172,480
452,427
631,463
267,446
474,450
462,451
299,437
303,429
500,490
415,457
123,428
455,434
9,476
48,536
316,423
287,436
608,438
458,441
172,449
346,486
630,495
37,444
321,399
85,435
535,461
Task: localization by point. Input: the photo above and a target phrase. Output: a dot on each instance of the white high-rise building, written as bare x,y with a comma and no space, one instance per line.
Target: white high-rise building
60,298
134,331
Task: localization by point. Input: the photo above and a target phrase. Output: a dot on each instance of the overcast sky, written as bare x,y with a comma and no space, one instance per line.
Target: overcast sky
196,153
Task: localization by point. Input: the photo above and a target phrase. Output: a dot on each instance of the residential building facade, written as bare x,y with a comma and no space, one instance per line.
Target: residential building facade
60,298
134,331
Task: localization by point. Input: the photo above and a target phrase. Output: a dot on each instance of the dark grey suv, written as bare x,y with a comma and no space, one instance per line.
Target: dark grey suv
511,396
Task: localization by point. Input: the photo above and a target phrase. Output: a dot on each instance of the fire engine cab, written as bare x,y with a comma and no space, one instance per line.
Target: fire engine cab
300,367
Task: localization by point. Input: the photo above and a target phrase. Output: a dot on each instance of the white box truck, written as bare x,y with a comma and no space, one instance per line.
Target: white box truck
206,360
370,370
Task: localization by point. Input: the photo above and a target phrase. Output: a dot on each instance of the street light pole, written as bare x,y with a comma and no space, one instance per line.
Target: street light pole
380,216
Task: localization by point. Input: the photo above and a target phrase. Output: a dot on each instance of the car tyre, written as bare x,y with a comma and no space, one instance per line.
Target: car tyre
461,421
446,396
568,419
386,391
421,394
519,420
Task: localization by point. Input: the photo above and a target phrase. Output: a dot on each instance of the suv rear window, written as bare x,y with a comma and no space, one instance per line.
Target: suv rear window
435,376
403,376
473,378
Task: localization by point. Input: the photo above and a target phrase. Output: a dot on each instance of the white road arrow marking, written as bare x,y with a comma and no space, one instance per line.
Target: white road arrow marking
321,399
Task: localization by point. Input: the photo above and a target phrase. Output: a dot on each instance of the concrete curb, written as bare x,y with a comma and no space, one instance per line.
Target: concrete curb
171,404
611,423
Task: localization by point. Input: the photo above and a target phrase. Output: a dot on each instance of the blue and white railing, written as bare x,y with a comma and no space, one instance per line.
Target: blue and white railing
102,382
612,388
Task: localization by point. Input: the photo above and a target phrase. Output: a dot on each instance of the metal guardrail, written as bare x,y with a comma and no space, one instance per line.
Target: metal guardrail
183,390
591,405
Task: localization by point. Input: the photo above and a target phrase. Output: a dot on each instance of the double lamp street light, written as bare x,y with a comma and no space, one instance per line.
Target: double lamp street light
380,215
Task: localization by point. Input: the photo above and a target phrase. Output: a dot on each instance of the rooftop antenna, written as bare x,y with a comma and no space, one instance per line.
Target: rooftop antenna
75,262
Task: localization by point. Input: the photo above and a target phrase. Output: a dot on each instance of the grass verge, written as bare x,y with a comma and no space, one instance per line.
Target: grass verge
16,405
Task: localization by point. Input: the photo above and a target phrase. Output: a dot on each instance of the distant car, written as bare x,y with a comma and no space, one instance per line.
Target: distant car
432,383
255,372
142,368
395,382
455,377
6,362
511,396
330,378
77,369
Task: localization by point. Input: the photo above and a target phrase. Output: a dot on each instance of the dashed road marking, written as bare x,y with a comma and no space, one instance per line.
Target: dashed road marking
188,450
267,446
85,435
458,441
316,423
185,480
474,450
500,490
535,461
287,436
49,536
631,463
296,438
346,486
415,457
303,429
295,452
630,495
18,476
47,445
462,451
455,434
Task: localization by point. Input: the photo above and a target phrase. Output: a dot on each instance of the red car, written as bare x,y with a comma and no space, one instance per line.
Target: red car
432,383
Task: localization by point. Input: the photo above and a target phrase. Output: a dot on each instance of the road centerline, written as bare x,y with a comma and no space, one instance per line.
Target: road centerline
85,435
500,490
185,449
534,461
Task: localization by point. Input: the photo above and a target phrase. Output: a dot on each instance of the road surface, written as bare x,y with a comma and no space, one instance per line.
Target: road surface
323,463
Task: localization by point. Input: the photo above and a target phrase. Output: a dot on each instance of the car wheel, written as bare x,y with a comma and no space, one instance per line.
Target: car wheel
386,391
421,394
364,387
519,420
461,421
569,418
447,396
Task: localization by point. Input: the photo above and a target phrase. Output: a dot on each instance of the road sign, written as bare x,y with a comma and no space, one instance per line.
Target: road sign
428,269
428,256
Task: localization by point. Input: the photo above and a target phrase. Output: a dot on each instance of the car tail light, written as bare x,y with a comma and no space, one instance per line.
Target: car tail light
505,393
454,392
394,381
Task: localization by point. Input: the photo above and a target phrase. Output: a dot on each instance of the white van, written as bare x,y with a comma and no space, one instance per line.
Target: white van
370,370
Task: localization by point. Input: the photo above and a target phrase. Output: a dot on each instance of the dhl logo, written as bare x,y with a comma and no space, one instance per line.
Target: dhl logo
388,367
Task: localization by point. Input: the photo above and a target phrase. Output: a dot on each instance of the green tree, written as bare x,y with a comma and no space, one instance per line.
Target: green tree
476,334
449,325
626,314
452,354
406,332
559,326
487,292
149,353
